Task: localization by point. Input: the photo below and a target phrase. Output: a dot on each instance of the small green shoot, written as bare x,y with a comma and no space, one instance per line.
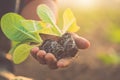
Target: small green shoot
109,58
24,32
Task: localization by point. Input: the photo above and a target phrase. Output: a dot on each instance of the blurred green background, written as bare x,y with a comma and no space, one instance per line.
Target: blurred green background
99,21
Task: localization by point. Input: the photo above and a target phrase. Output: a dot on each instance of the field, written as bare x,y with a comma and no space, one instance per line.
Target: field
101,61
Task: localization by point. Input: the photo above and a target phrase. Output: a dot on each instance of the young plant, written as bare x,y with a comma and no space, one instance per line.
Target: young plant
25,32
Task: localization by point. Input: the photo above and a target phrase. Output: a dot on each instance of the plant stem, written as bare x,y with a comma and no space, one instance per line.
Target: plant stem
58,29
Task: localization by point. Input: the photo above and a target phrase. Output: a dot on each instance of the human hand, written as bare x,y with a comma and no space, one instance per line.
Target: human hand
49,59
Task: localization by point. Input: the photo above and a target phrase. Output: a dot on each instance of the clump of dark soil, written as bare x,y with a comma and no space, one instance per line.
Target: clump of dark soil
64,47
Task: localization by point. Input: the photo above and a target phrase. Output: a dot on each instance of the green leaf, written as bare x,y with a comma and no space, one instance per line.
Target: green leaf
47,16
21,53
38,27
13,46
13,29
69,22
45,13
47,29
31,25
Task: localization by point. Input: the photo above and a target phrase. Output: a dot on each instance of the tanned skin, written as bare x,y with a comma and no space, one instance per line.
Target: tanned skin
29,12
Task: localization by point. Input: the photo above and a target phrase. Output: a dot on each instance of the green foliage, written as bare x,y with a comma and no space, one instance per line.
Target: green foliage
14,46
110,58
23,32
31,25
113,32
47,29
21,53
69,22
47,16
13,29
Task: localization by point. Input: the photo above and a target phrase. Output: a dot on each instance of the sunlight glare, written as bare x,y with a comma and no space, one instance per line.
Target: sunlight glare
80,4
87,3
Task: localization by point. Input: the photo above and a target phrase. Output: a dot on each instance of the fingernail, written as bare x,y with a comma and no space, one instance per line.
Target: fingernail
34,50
60,64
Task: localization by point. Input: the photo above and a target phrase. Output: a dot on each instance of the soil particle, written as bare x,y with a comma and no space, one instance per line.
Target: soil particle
64,47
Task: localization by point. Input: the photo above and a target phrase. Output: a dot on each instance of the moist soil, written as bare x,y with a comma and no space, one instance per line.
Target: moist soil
64,47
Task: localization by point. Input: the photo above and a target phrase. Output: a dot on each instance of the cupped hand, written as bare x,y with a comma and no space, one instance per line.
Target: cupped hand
49,59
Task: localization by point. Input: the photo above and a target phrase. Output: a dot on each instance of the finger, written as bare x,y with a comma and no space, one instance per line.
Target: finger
41,56
34,52
81,42
62,63
51,61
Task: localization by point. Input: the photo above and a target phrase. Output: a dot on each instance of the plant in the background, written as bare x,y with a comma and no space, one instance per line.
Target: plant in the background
26,32
112,32
112,58
112,36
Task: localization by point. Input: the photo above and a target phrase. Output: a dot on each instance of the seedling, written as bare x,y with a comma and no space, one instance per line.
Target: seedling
26,32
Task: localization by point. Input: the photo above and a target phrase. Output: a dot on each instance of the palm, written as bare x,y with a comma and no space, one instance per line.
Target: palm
49,59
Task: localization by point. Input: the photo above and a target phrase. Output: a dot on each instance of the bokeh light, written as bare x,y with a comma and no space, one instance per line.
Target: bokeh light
83,4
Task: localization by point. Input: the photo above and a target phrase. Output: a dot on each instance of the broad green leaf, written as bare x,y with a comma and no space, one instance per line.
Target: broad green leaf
13,29
45,13
47,16
21,53
14,43
31,25
13,46
47,29
37,27
69,22
73,28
